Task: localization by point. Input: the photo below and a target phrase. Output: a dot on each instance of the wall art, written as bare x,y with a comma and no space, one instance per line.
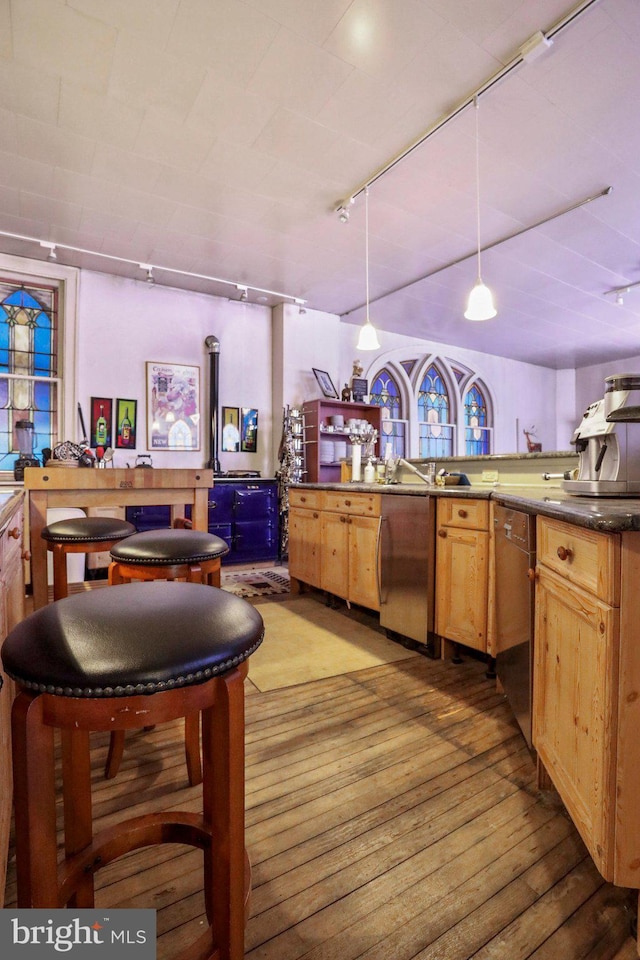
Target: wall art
173,406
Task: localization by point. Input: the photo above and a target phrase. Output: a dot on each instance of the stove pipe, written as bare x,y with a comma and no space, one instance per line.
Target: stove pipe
213,346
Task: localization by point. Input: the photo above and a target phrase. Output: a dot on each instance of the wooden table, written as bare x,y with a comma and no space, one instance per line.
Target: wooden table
85,487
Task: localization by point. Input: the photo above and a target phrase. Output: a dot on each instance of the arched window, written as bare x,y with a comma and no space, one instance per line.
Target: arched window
436,431
476,422
386,394
28,367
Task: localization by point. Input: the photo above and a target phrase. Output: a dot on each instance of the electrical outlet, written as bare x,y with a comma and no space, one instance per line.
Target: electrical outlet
489,476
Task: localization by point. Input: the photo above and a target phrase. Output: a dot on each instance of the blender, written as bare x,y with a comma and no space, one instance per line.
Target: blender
25,439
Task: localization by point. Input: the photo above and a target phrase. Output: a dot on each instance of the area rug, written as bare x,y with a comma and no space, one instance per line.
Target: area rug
305,640
256,583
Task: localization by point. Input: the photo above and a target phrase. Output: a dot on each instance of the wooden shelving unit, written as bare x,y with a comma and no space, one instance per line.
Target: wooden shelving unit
317,412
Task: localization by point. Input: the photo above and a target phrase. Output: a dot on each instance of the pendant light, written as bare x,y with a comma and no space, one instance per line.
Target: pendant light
480,304
368,339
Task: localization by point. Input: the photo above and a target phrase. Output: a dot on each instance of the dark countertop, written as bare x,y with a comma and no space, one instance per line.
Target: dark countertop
605,514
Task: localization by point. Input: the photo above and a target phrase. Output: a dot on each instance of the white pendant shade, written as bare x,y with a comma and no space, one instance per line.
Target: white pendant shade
368,339
480,305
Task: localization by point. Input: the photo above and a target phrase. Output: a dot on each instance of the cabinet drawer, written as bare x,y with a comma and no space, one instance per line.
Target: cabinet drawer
11,538
305,498
456,512
586,558
357,504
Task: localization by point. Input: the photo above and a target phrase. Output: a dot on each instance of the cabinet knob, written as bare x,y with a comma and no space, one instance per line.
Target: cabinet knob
442,533
565,553
303,499
532,574
462,513
343,519
315,515
26,554
347,503
15,532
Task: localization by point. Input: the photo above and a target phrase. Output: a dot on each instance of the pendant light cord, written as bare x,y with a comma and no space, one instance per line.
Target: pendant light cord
475,101
366,248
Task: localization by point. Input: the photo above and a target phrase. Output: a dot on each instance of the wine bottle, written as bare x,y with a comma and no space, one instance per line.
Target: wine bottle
101,428
125,429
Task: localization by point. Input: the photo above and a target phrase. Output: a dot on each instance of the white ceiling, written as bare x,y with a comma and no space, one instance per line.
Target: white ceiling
218,136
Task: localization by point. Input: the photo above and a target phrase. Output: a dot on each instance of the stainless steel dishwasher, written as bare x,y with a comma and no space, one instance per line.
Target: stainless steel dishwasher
515,562
407,568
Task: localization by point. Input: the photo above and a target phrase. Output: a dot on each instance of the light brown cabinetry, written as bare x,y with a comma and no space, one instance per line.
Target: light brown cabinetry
11,613
462,571
344,558
304,536
587,686
316,413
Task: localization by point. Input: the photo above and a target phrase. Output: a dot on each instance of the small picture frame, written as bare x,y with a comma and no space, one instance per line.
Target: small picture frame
101,421
230,430
249,430
325,383
359,388
126,416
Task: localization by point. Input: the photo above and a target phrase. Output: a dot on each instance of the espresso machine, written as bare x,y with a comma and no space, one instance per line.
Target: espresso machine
608,442
25,440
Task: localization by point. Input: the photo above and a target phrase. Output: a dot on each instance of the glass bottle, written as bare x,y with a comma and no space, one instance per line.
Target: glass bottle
101,428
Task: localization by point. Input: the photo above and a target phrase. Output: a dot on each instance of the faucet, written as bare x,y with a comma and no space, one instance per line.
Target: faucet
413,469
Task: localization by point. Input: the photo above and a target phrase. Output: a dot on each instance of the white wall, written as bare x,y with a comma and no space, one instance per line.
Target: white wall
123,323
590,383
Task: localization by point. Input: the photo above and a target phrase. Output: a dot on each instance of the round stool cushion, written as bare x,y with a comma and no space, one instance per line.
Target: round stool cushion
87,530
169,547
138,638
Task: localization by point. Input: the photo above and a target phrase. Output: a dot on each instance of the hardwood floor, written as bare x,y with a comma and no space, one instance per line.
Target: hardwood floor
391,813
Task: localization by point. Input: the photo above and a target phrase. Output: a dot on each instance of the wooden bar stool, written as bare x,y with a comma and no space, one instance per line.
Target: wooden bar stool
99,661
80,535
193,555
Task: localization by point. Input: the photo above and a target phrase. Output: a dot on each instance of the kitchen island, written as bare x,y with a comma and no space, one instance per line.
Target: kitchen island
586,706
59,487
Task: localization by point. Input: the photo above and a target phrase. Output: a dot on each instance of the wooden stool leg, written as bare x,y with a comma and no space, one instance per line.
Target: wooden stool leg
114,756
35,805
76,791
192,748
223,812
60,585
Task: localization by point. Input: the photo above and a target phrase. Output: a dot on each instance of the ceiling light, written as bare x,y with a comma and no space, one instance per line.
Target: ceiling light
620,297
368,339
534,47
149,269
343,210
243,291
480,304
51,247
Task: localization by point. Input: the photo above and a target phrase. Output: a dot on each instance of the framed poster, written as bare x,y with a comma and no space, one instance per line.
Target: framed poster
249,430
230,429
126,415
326,383
101,412
173,406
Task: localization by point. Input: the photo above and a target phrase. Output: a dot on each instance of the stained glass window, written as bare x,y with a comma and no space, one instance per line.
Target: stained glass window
28,366
386,394
434,415
477,434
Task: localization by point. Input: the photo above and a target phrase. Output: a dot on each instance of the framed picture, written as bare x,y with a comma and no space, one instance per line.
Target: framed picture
173,406
230,429
326,383
249,430
101,413
126,415
359,388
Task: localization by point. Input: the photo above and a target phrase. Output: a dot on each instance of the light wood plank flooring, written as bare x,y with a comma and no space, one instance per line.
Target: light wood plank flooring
391,813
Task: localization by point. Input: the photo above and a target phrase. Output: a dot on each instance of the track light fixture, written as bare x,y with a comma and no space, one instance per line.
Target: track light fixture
343,210
276,295
243,291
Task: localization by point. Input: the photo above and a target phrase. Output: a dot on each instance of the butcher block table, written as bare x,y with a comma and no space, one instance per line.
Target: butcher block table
86,487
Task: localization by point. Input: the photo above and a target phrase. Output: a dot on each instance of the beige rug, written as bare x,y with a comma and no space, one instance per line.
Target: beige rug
306,640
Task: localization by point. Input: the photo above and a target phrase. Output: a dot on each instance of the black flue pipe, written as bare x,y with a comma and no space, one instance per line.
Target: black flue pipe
213,346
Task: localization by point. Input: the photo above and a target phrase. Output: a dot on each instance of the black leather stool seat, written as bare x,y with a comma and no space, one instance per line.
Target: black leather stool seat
169,547
87,530
139,638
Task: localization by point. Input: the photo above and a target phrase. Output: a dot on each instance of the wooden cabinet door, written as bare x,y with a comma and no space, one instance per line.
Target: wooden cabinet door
462,570
575,706
364,561
334,553
304,545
